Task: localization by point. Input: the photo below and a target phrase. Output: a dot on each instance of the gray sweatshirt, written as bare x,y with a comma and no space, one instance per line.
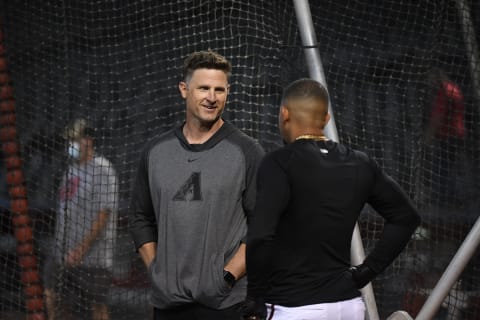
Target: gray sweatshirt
193,201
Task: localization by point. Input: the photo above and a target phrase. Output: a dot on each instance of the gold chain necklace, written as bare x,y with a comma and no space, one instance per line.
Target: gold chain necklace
312,137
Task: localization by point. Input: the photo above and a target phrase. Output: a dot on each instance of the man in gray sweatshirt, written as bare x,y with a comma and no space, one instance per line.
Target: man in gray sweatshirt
195,186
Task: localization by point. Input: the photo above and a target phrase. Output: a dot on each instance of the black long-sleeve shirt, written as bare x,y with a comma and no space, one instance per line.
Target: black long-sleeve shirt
310,194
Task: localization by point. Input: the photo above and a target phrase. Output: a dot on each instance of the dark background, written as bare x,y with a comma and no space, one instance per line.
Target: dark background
117,64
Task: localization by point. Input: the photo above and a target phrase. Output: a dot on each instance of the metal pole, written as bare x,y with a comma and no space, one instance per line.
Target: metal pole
451,274
312,55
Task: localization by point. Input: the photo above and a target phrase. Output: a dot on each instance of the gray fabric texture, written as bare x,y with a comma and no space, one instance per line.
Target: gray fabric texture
199,196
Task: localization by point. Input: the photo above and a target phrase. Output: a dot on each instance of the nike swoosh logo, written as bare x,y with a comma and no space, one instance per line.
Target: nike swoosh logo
191,160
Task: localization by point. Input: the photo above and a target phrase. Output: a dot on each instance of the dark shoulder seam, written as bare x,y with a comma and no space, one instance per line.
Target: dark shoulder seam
158,139
244,142
145,153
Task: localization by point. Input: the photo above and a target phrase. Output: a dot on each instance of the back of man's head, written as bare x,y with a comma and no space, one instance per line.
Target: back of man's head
305,89
205,60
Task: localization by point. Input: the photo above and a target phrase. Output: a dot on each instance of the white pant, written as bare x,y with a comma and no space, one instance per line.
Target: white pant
353,309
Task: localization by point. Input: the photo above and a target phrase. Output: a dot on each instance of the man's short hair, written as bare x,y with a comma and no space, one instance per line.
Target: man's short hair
78,128
205,60
305,88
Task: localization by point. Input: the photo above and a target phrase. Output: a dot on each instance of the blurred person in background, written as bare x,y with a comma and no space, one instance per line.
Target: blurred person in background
445,132
81,261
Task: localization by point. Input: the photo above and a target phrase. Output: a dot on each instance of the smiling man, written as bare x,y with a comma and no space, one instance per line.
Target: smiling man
195,187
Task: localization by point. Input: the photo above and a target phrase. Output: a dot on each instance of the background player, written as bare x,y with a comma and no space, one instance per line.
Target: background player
85,228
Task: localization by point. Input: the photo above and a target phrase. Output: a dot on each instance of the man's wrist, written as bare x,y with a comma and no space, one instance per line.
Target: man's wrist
229,278
362,275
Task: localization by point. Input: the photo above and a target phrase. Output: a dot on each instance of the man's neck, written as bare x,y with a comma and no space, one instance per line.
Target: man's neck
313,133
196,133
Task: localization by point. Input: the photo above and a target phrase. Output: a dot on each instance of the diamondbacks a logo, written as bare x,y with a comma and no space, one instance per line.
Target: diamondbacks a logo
190,189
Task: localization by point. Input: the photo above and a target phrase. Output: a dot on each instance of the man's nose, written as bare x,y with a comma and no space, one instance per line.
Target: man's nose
211,95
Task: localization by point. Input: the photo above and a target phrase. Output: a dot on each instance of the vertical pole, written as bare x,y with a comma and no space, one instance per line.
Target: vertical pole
312,55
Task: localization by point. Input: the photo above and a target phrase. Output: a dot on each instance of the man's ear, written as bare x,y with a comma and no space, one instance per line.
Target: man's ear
285,114
327,118
183,87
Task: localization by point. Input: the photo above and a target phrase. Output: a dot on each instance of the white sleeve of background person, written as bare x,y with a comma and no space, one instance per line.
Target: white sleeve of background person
104,197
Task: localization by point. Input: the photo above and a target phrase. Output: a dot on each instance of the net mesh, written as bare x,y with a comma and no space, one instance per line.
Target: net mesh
401,76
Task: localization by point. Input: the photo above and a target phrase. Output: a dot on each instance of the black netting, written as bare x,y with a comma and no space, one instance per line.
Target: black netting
117,65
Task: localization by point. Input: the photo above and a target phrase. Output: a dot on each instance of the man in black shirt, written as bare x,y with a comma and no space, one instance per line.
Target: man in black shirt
309,196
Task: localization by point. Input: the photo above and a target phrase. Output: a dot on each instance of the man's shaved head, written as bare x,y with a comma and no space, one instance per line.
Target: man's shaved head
307,103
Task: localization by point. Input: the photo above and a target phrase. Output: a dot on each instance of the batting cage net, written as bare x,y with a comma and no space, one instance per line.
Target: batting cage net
403,78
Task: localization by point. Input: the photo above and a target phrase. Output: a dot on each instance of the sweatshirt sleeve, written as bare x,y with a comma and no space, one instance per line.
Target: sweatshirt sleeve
142,222
253,159
253,156
401,220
